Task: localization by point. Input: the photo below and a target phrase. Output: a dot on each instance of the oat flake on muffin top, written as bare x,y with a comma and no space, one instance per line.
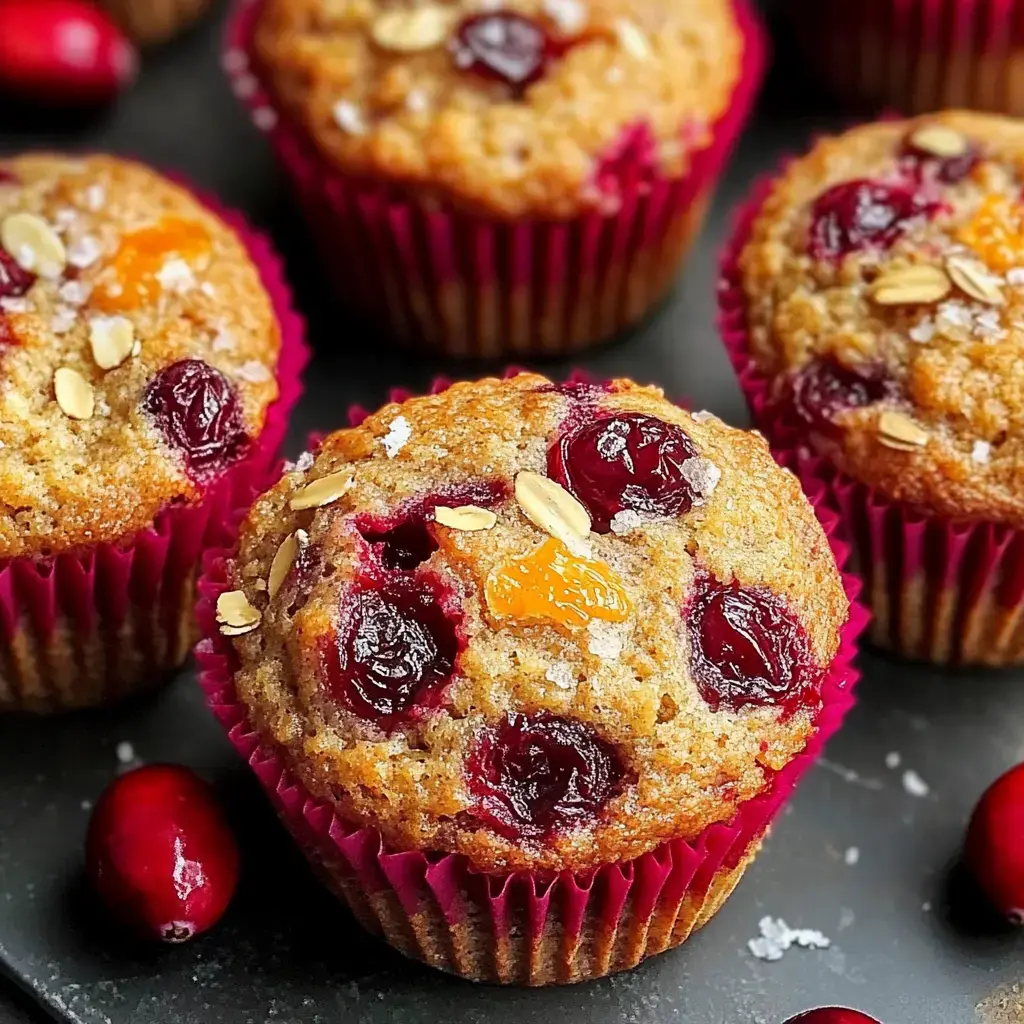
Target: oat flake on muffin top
137,350
514,109
542,626
884,282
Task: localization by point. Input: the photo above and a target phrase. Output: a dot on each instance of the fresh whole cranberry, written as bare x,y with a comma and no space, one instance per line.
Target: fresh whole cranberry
533,776
198,412
746,648
14,281
406,540
395,649
503,45
160,854
823,389
994,848
626,462
949,170
863,214
832,1015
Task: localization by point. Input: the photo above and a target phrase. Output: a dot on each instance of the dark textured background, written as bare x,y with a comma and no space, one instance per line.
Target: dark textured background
910,944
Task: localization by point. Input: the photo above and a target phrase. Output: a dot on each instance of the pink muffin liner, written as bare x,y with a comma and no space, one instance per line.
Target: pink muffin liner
471,286
917,55
86,627
942,590
520,927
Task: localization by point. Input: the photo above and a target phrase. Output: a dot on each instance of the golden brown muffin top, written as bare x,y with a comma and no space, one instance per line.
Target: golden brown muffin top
137,350
461,654
884,279
515,110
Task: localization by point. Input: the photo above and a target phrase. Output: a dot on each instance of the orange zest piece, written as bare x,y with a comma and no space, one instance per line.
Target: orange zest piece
551,583
996,233
134,268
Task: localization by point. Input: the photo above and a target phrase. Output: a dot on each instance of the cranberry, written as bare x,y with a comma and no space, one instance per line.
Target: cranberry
406,540
994,849
532,776
747,649
832,1015
624,462
862,214
503,45
13,280
395,648
160,854
949,170
823,389
197,409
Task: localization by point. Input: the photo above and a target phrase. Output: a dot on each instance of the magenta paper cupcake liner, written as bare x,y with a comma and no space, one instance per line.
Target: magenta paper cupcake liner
521,927
917,55
83,628
941,590
472,286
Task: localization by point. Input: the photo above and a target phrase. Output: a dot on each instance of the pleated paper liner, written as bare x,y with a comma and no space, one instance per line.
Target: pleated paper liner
939,590
521,927
86,628
916,55
471,286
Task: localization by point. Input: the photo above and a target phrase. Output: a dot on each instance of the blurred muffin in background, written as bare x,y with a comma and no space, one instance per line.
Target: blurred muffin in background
916,55
495,181
151,22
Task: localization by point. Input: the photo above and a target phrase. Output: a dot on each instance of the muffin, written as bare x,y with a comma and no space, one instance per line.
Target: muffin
874,307
151,22
916,55
527,669
491,181
149,356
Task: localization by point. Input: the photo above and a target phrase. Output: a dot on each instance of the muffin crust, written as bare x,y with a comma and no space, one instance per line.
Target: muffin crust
948,434
400,109
627,682
81,460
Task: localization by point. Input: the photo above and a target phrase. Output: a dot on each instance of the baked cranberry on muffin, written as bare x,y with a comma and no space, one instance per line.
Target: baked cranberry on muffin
883,284
594,128
137,354
545,628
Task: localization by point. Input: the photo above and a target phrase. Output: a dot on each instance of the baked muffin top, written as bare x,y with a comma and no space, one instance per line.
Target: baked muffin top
884,282
137,350
518,109
468,656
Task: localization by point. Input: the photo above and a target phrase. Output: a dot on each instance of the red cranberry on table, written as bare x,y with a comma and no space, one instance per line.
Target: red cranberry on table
63,52
832,1015
160,854
994,848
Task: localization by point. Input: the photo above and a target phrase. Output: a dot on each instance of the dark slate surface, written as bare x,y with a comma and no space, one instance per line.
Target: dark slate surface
909,943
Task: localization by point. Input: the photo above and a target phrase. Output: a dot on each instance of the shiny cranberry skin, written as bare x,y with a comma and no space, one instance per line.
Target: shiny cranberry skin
395,648
994,848
832,1015
746,649
13,280
406,540
198,412
863,214
624,462
534,776
160,854
948,170
503,45
823,389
